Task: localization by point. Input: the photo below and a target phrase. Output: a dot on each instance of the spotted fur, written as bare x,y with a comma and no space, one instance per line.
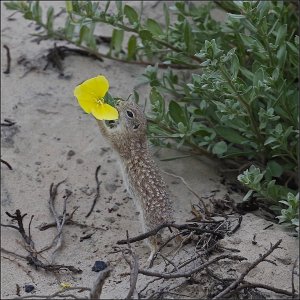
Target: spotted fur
144,182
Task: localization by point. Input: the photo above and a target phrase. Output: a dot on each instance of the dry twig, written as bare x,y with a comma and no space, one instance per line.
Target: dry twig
97,191
134,268
177,226
6,163
7,71
60,220
193,271
96,289
235,283
247,285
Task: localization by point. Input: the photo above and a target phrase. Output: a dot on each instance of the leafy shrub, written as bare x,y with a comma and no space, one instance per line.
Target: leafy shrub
237,99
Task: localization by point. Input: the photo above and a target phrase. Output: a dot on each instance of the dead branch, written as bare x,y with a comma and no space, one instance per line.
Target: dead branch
248,285
193,271
161,247
32,258
134,268
235,284
68,221
7,71
96,290
13,253
18,217
6,163
27,272
8,123
60,220
158,228
98,183
238,225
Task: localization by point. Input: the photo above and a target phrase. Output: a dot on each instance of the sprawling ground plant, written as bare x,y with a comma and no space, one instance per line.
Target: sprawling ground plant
237,98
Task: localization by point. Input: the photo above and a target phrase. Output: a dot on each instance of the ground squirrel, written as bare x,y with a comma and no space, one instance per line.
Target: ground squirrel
127,135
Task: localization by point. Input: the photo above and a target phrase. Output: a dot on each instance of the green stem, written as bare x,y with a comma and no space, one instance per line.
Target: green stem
244,102
154,39
58,36
199,150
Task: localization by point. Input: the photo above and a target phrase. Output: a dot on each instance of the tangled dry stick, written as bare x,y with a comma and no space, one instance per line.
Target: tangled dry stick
33,258
233,286
169,225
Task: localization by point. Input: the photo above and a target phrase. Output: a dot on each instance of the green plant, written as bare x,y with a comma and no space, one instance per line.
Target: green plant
273,193
290,214
237,99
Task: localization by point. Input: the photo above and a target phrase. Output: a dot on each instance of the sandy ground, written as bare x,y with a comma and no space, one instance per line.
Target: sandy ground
54,140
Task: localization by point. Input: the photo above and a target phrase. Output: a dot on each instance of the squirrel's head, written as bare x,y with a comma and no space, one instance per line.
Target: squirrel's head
131,125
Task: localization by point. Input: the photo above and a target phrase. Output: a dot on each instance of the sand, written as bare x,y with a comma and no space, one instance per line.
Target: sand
54,140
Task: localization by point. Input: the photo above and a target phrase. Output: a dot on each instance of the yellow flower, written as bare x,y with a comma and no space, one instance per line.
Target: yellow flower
90,96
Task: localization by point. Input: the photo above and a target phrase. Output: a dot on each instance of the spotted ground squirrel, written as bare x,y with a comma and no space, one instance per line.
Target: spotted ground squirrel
127,135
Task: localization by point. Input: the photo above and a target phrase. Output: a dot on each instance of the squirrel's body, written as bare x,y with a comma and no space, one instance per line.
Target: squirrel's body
127,135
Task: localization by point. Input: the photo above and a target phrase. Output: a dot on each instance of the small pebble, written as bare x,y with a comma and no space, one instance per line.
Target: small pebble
28,288
79,161
114,208
110,219
71,153
99,266
126,199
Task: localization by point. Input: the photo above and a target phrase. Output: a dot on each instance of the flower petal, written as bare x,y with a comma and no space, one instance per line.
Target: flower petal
105,112
91,90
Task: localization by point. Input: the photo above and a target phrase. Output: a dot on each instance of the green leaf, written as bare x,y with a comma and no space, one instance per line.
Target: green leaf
49,24
69,6
219,148
69,29
176,112
235,66
131,14
83,34
136,96
13,5
106,6
188,37
167,16
274,169
231,135
248,74
281,34
270,140
36,11
248,195
153,27
109,99
281,55
258,76
145,35
119,6
157,102
132,46
117,40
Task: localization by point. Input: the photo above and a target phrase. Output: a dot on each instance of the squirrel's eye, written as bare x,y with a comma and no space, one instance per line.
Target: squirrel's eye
129,113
